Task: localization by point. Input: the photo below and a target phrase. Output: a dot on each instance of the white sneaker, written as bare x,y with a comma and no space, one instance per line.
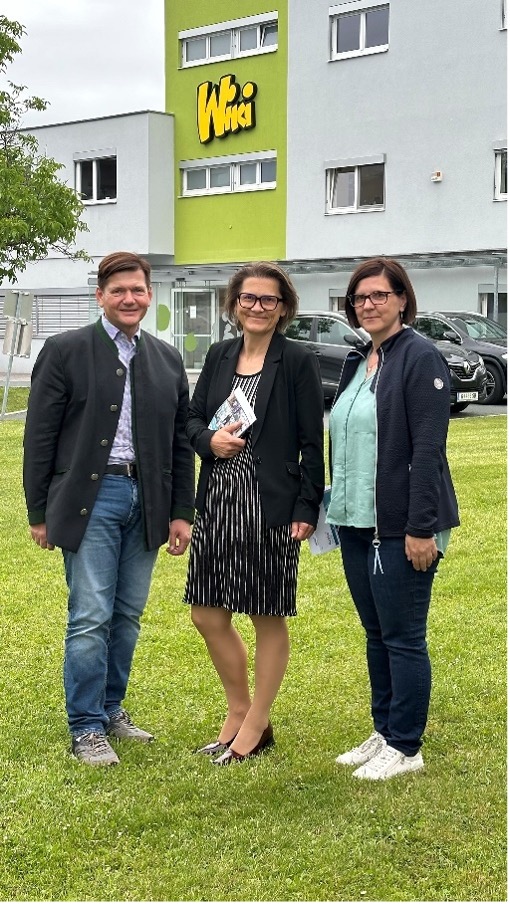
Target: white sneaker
387,763
362,754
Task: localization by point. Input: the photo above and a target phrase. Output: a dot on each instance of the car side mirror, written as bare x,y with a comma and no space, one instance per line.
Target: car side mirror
355,341
452,336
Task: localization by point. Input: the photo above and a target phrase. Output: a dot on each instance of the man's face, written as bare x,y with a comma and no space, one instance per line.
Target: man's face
125,299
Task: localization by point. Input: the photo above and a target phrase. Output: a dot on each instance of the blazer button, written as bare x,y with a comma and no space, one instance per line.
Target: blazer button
104,442
258,460
84,512
94,476
114,407
119,372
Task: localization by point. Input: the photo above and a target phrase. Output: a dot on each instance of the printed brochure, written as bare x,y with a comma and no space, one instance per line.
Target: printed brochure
235,408
326,536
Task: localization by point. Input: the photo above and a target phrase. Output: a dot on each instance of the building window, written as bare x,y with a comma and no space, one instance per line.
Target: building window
229,40
500,175
240,175
503,14
96,180
358,32
355,188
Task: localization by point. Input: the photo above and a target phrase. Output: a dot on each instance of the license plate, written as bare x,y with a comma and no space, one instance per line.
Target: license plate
467,396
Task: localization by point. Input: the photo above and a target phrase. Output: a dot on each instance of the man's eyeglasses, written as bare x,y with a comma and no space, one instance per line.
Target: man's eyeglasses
357,301
267,302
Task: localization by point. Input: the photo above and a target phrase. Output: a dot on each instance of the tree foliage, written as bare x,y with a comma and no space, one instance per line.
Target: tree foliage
38,212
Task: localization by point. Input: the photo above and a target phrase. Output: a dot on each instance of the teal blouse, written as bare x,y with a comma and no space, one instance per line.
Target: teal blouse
353,431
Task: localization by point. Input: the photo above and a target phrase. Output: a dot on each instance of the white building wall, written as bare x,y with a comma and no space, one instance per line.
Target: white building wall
160,185
434,101
452,289
141,218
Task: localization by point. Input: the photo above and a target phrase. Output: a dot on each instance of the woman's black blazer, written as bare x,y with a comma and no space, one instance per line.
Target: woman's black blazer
288,435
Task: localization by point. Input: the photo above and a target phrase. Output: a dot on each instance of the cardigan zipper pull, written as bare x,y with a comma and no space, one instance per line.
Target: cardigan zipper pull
376,543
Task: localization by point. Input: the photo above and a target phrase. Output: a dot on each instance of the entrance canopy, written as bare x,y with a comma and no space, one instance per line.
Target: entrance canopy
419,261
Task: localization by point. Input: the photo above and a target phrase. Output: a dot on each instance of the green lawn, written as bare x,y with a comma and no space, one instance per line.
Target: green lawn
291,825
17,398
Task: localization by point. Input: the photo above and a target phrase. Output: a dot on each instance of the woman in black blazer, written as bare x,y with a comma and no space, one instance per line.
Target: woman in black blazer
258,497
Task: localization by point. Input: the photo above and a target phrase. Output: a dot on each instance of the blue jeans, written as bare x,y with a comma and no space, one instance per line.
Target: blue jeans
108,579
393,608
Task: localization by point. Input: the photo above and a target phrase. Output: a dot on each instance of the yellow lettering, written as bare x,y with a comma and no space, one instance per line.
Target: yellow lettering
234,112
219,113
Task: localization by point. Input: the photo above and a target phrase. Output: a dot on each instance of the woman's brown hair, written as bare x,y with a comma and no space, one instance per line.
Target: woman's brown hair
263,270
397,278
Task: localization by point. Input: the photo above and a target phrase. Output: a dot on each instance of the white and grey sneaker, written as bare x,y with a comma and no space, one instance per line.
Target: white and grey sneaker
120,726
362,754
93,749
387,763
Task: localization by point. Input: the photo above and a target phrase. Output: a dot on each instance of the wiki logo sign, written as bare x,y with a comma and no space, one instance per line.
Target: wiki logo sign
225,108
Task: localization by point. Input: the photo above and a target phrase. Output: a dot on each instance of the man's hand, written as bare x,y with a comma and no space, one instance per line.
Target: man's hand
179,537
300,530
224,445
421,552
38,532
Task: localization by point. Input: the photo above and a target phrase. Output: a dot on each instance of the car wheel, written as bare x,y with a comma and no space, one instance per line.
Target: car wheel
495,389
458,406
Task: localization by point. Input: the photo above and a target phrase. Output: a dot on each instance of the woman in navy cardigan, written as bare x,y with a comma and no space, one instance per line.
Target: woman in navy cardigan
394,501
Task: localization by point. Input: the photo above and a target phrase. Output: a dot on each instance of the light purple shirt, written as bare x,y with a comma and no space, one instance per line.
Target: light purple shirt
123,449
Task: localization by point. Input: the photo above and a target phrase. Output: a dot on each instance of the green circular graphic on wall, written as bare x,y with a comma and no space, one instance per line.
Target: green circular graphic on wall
190,342
162,318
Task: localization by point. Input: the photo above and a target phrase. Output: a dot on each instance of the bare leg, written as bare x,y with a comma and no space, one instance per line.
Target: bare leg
229,657
271,658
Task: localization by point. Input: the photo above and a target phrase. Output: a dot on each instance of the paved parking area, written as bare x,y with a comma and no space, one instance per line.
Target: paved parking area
482,410
470,411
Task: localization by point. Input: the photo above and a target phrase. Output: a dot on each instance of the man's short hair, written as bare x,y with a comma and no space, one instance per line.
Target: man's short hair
119,261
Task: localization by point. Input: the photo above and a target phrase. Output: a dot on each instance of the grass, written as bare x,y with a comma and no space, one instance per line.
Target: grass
17,398
289,826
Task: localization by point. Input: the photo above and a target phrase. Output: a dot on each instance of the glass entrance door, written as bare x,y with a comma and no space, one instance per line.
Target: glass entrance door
193,318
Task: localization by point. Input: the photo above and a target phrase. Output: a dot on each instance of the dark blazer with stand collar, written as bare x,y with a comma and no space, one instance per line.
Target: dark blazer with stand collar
74,408
288,435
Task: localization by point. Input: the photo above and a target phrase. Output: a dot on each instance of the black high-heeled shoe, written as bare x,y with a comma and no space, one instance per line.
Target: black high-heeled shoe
231,756
214,747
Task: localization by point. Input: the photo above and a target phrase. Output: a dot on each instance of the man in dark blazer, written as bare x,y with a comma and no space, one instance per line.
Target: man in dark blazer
109,478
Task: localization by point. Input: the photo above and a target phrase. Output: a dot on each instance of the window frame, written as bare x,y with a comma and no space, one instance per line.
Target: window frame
234,26
502,24
499,154
95,160
302,317
348,9
357,166
235,186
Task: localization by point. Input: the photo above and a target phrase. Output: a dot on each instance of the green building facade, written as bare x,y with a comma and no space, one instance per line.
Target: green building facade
225,210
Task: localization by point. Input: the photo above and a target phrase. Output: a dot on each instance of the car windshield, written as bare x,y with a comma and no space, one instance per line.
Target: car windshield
479,327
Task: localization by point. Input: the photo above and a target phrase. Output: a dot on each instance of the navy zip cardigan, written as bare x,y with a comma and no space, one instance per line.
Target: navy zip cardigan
414,492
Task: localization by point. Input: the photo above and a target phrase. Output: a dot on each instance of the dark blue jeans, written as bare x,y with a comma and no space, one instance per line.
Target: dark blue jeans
108,580
393,606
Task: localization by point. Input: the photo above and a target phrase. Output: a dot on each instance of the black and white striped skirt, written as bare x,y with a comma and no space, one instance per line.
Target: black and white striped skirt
236,561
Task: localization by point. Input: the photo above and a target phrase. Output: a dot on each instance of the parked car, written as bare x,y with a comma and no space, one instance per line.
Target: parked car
330,335
467,372
476,333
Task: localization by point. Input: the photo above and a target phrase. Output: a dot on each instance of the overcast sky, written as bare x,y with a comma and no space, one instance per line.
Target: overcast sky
89,58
